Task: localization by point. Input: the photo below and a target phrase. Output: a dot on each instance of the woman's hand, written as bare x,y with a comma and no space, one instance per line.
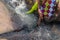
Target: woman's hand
40,14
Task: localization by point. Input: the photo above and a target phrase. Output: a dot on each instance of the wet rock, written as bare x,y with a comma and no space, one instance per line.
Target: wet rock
5,21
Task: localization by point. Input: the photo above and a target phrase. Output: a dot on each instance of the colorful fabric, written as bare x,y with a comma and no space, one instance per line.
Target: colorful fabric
57,1
34,7
47,8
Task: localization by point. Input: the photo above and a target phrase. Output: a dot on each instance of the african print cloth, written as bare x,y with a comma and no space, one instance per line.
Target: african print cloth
47,8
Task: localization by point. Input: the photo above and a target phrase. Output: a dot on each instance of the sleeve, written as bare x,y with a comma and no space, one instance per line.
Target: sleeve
34,7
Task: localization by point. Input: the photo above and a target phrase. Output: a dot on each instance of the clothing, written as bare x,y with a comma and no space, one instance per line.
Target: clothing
35,6
47,8
57,1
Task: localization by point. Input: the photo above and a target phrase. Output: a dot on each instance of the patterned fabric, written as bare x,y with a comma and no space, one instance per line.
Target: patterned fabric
57,1
47,8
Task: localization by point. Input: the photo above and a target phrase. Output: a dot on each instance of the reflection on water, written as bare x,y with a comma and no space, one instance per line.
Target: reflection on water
29,22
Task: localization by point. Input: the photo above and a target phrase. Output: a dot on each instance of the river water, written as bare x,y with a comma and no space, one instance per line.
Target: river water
28,23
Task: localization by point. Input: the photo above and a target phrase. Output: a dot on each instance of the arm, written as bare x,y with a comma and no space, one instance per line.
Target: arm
39,11
57,11
59,5
38,3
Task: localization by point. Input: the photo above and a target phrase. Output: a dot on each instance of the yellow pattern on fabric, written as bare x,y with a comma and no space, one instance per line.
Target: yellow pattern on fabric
47,4
45,13
46,9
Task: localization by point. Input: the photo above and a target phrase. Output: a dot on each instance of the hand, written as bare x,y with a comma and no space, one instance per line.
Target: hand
40,14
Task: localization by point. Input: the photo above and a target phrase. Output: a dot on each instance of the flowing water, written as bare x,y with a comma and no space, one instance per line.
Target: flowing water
28,22
21,9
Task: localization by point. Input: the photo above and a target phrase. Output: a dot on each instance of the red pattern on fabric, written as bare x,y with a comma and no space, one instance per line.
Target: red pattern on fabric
48,11
48,7
50,2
